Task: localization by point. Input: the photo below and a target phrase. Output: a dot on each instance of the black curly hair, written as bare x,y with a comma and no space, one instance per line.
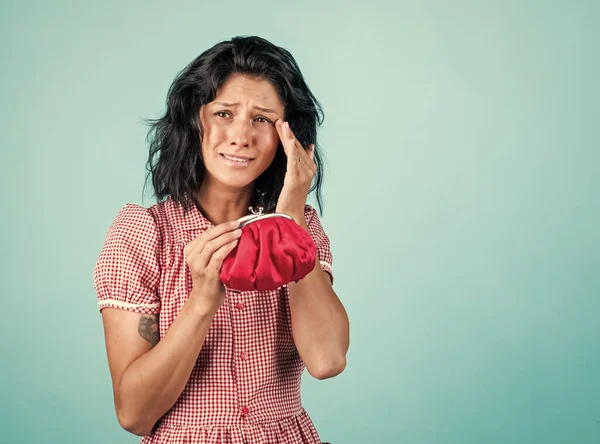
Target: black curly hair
175,161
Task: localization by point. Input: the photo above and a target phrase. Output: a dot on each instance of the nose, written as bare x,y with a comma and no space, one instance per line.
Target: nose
240,134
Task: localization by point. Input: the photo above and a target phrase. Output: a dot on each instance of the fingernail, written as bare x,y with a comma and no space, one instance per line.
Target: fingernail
235,223
237,232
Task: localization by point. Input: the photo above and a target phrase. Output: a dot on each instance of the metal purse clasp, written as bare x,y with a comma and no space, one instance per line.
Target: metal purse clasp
258,215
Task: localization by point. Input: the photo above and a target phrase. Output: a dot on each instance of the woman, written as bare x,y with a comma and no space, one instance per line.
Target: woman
193,361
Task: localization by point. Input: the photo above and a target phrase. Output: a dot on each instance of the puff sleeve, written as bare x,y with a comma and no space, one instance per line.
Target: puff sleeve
127,271
321,240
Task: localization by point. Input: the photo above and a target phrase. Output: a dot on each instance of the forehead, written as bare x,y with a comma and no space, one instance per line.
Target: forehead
243,89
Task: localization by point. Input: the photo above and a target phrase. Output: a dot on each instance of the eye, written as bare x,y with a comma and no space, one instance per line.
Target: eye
261,119
222,114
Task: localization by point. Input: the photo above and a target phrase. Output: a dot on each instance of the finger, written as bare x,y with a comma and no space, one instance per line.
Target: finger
213,232
299,155
293,139
214,245
289,133
311,152
304,158
216,261
279,126
294,147
296,152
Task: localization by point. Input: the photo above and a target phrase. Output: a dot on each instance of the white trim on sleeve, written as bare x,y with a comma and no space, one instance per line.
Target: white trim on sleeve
325,266
116,303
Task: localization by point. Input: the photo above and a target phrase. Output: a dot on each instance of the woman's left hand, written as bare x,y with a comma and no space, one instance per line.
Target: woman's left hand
301,169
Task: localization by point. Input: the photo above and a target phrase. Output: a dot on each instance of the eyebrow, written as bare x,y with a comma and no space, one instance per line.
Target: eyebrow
260,108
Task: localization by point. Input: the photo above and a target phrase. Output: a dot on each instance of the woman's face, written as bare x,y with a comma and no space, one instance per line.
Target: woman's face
240,139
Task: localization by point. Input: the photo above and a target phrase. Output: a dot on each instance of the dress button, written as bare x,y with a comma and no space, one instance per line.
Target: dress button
245,410
243,356
239,306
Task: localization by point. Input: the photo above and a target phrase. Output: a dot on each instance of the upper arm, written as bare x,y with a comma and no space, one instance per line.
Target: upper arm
321,240
126,280
127,271
128,336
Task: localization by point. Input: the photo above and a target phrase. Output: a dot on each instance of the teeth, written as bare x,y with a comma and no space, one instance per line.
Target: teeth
235,159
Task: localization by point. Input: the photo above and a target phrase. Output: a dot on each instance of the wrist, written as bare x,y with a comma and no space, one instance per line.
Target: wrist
297,216
301,221
201,306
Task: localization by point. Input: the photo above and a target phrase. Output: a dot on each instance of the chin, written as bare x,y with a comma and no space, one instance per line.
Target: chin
235,181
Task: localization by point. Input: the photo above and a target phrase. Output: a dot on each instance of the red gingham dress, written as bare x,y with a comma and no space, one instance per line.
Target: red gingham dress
245,385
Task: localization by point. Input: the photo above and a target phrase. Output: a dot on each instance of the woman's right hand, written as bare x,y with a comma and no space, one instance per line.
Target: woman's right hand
204,257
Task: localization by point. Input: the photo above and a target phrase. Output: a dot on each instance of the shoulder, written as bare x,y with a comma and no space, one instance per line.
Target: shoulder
133,216
310,214
133,224
173,221
313,223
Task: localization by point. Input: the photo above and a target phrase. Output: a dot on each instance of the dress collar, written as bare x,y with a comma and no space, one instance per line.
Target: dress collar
191,220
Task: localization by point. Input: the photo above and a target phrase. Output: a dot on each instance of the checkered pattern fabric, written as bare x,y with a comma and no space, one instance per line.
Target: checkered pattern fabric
245,386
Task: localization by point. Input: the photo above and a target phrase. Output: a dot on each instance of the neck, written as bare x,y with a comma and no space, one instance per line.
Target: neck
220,204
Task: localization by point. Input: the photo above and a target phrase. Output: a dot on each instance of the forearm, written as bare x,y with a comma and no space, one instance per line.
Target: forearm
153,383
320,325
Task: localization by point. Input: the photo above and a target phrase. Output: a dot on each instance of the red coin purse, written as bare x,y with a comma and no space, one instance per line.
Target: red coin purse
272,251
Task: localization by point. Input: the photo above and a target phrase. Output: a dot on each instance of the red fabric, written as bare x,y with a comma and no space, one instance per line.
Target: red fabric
271,252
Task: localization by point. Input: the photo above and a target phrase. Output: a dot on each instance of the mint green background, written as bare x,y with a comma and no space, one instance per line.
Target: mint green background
461,201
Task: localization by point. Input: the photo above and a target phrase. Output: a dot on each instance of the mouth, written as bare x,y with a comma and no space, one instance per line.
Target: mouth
237,161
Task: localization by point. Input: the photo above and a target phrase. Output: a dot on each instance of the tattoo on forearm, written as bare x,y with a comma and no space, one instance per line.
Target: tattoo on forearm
148,328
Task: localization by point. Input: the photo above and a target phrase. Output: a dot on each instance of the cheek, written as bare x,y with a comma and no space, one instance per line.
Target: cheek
212,135
270,140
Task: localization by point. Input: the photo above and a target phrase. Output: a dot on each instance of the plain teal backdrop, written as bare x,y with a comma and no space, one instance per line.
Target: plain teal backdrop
461,199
